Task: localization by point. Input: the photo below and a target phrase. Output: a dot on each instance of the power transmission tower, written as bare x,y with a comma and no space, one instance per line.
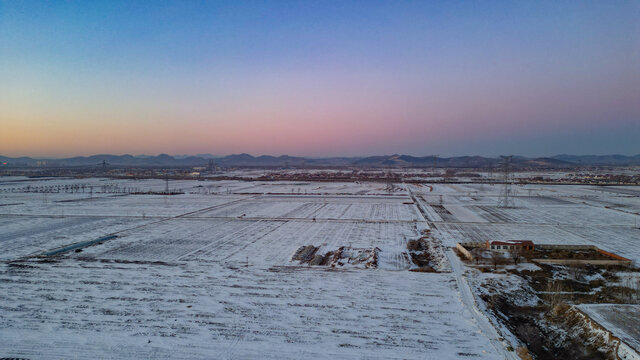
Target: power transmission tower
506,194
435,161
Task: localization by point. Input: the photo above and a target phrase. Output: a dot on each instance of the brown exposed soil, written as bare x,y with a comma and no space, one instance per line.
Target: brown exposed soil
588,254
420,255
556,330
544,337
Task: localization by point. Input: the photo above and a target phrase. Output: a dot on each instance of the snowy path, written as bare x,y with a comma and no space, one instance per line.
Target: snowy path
481,320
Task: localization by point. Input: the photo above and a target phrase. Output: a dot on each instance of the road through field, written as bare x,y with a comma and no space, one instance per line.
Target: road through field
469,302
481,320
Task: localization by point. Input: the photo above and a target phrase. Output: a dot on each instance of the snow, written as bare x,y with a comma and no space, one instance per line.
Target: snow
500,336
522,266
99,309
545,214
513,286
208,274
621,319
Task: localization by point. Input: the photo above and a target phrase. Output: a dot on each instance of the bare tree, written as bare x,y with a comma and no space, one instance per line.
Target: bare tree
496,259
554,297
477,254
516,253
577,271
631,290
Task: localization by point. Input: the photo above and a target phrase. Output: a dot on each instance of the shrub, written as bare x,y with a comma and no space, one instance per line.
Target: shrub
523,353
414,245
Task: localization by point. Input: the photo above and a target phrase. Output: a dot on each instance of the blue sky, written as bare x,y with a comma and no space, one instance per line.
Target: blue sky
320,78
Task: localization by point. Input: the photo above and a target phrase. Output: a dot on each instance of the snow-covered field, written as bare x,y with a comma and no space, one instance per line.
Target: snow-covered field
208,274
94,309
608,217
622,320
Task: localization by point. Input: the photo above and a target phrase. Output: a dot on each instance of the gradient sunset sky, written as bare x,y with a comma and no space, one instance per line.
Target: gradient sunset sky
319,78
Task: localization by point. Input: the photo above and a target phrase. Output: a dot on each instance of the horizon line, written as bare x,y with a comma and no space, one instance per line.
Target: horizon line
311,157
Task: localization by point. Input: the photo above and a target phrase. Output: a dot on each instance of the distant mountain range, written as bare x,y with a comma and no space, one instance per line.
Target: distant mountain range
246,160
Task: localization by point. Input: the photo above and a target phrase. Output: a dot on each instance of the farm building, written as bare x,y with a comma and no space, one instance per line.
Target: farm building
508,245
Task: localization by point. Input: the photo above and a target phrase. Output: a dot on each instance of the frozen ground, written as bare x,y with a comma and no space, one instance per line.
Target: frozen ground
622,320
608,217
208,274
97,309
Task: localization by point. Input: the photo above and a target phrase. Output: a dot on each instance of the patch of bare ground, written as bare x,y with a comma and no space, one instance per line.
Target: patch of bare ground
543,336
344,256
554,329
583,284
420,256
427,254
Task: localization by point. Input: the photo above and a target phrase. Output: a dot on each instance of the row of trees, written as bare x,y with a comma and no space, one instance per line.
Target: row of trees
72,188
499,258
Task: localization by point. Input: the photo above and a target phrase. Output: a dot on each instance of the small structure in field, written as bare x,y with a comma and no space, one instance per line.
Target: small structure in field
510,245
